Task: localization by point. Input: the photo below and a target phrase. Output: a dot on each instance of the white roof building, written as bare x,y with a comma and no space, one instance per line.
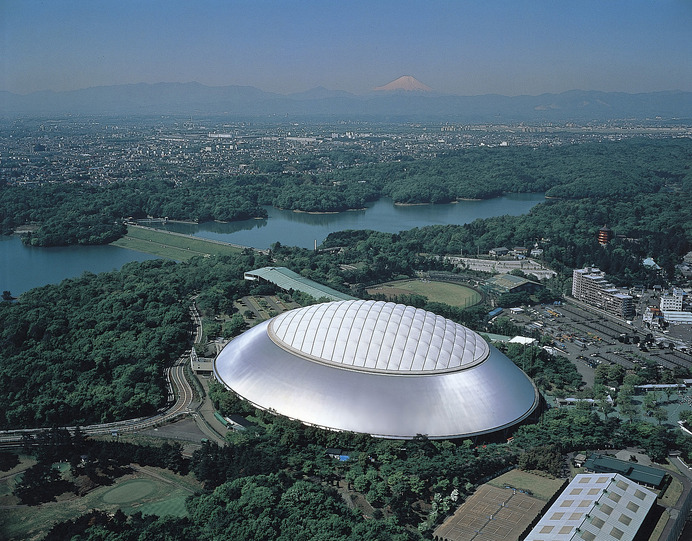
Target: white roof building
672,301
379,368
677,317
598,506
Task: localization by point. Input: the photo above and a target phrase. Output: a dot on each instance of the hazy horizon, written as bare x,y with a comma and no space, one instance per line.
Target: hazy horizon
455,47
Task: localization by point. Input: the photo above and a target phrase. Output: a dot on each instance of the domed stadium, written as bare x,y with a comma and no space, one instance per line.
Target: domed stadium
379,368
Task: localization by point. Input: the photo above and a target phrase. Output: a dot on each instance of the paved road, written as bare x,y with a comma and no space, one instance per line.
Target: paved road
685,477
180,394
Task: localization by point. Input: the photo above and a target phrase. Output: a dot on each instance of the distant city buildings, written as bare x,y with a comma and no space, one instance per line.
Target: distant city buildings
101,153
589,285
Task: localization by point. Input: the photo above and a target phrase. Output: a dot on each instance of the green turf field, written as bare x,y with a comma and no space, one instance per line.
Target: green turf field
542,488
448,293
154,491
129,491
171,245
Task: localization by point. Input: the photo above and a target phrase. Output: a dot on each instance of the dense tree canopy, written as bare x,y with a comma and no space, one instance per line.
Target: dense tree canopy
611,172
93,349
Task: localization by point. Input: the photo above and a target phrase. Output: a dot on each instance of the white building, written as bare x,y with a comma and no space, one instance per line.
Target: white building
596,507
589,285
677,317
672,301
384,369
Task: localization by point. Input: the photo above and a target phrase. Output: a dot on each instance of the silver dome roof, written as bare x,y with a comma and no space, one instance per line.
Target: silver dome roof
379,368
377,336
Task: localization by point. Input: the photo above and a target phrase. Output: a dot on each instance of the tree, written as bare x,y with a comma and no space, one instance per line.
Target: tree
8,460
649,403
625,404
606,406
660,414
548,458
616,374
233,326
38,484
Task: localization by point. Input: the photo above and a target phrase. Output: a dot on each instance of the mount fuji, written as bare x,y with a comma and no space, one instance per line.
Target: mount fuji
406,83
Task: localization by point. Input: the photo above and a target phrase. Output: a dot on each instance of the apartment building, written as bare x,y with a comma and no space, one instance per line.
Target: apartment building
590,285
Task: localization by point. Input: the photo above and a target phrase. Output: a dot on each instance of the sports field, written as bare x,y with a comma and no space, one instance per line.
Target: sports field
171,245
149,490
448,293
542,488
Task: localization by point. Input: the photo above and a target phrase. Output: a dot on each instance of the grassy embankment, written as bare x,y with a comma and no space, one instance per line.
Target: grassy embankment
448,293
171,245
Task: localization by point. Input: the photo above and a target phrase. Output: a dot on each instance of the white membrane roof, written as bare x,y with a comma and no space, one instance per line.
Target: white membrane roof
377,368
377,336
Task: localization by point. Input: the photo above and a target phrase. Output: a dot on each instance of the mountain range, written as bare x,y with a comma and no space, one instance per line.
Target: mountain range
405,98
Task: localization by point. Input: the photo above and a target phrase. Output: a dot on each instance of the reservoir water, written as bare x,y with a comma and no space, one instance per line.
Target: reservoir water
303,229
23,267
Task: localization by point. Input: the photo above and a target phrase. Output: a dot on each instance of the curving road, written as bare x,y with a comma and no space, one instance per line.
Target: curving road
180,393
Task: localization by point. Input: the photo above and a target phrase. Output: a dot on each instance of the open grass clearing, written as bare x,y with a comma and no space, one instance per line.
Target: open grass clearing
660,526
446,292
9,479
158,492
672,494
171,245
129,491
542,488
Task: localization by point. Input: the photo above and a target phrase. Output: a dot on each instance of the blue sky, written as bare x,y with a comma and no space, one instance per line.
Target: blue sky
456,46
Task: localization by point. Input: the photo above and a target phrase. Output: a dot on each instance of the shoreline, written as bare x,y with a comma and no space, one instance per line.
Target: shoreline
24,229
298,211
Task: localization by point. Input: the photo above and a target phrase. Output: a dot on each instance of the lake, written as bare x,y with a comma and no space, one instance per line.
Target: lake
303,229
23,267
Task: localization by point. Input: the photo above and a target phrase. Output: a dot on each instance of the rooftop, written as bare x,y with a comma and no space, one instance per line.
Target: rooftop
631,470
604,507
287,280
379,336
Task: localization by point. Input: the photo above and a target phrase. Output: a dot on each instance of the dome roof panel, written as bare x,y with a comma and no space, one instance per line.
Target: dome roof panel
378,335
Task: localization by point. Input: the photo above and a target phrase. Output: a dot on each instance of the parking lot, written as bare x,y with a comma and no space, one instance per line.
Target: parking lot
589,337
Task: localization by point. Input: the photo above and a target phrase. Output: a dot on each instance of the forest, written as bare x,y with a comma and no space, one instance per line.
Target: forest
612,173
276,481
93,349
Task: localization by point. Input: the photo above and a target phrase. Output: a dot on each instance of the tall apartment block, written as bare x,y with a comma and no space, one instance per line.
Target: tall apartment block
589,285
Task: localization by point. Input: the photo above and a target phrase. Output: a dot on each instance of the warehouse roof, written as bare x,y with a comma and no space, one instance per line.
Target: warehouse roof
603,507
632,470
287,280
